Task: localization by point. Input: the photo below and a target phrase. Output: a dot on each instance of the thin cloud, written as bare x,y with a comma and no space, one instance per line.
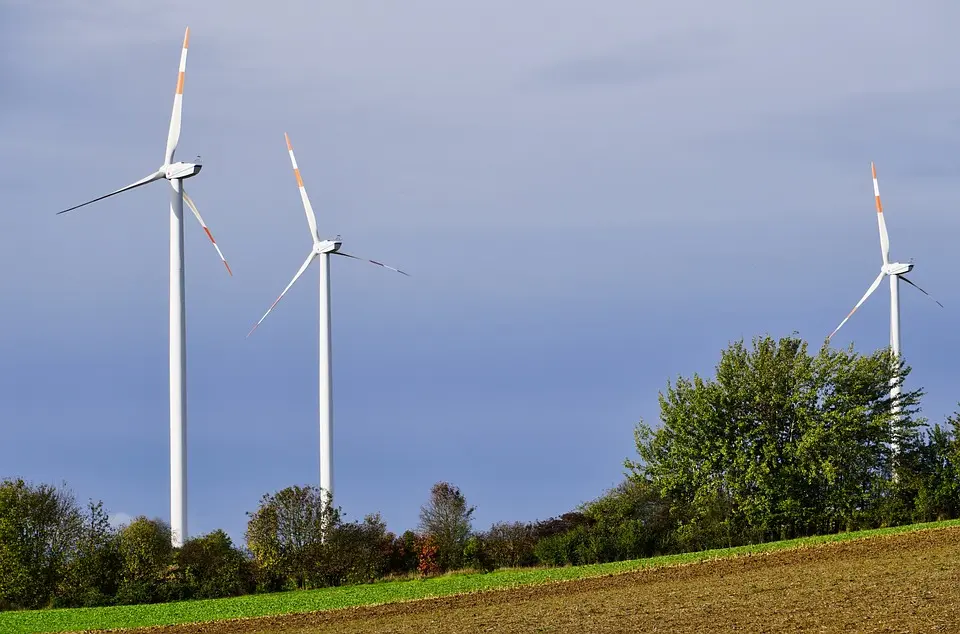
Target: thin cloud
633,65
862,128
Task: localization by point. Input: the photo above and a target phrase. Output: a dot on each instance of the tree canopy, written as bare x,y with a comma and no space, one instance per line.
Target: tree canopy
781,442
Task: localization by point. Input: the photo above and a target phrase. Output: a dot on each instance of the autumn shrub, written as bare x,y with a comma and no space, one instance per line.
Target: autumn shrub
428,553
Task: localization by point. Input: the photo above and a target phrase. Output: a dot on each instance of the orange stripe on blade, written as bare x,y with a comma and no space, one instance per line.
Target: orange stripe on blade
879,205
210,235
296,173
186,38
289,147
180,83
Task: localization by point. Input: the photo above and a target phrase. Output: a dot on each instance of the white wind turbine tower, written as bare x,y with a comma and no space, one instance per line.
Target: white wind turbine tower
176,173
322,249
896,271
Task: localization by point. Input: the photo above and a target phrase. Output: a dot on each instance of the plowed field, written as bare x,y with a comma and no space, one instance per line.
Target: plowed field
903,583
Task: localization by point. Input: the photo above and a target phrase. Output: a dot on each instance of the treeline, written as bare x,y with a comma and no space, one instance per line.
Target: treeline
780,443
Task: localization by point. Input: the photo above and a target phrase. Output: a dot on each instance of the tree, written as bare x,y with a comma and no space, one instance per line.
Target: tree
509,544
780,443
147,562
403,553
938,494
93,571
355,552
476,554
212,567
629,521
286,535
39,528
446,520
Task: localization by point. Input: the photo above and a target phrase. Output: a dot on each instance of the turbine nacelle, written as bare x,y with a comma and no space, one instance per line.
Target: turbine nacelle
326,246
181,170
897,268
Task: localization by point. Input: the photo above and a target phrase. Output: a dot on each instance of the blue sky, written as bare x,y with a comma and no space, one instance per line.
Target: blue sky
591,198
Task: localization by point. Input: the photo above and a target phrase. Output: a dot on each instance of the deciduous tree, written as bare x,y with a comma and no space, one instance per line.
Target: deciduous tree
147,561
94,569
780,443
39,528
286,534
212,567
446,519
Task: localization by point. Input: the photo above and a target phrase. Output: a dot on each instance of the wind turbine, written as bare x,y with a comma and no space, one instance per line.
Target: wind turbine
896,271
322,249
175,173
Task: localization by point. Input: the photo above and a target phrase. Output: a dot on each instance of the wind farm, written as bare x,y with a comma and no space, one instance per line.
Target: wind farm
600,399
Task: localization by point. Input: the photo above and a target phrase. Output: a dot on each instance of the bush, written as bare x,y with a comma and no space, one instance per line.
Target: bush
510,544
428,557
563,549
476,555
355,552
210,567
403,554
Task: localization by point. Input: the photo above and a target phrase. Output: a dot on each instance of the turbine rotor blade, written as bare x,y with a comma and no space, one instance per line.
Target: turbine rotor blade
884,237
173,136
196,213
307,207
869,292
347,255
920,289
303,268
143,181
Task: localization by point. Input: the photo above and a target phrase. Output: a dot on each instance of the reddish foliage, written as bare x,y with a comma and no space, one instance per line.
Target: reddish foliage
427,557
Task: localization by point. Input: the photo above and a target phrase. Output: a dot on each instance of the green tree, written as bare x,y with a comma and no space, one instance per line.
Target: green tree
212,567
476,554
93,572
286,535
147,562
629,521
355,552
938,494
780,443
39,529
445,518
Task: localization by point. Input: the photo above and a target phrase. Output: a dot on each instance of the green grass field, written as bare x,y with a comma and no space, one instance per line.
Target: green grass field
385,592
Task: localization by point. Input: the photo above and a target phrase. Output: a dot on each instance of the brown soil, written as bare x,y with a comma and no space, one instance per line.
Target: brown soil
903,583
